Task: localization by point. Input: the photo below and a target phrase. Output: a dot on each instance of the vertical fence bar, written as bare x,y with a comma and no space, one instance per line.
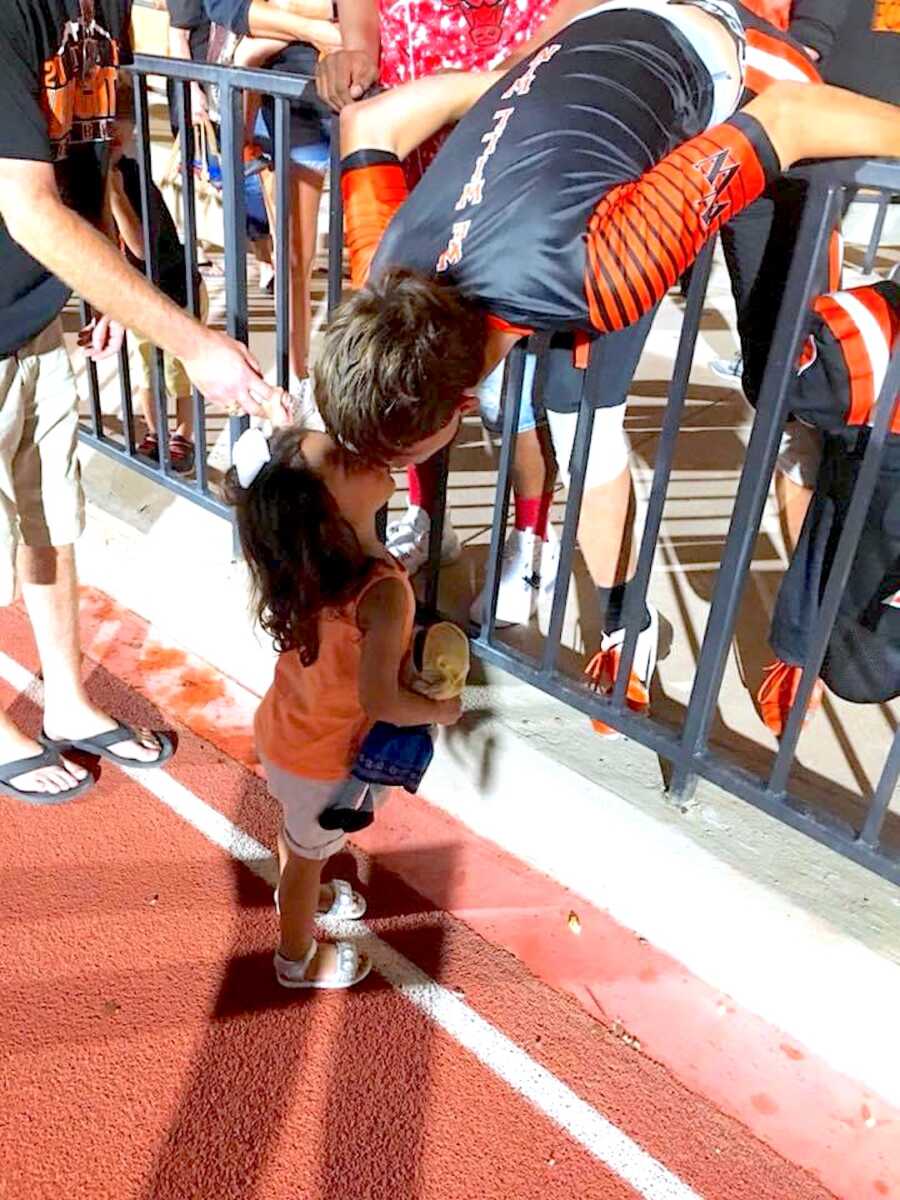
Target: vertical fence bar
581,452
282,241
151,265
335,221
838,575
511,404
236,321
436,537
665,453
871,830
86,316
819,216
185,120
125,395
884,201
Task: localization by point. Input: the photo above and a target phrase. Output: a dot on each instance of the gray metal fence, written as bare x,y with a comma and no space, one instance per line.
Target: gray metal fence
687,750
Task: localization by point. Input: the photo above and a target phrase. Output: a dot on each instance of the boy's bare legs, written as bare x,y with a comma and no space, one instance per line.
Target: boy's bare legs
606,531
50,589
534,463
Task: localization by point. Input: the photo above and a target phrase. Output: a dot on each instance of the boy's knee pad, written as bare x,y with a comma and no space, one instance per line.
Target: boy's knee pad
609,452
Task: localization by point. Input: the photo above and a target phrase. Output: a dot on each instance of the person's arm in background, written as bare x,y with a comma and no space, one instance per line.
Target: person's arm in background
180,47
348,74
814,24
297,21
36,217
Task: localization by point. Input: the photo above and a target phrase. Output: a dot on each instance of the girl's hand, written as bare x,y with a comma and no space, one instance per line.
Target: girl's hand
447,712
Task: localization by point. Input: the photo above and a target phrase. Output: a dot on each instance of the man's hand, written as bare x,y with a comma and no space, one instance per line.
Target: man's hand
345,76
227,375
101,338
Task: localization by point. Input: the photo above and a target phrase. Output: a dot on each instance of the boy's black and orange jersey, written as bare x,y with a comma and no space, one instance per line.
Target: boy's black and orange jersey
579,188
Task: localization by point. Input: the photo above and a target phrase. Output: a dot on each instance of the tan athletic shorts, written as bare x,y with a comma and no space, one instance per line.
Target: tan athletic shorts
41,502
178,386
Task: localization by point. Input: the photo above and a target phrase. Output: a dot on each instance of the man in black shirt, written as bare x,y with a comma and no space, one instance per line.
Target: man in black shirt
59,83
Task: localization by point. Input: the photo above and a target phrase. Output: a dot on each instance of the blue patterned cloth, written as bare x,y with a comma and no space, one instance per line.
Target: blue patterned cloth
395,756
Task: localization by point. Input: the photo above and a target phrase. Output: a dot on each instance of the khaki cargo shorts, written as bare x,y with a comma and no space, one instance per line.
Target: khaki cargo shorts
41,502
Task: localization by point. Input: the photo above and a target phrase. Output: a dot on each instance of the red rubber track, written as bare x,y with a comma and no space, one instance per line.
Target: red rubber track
149,1055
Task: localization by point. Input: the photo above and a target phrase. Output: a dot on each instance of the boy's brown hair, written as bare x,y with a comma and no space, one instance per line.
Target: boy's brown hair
395,361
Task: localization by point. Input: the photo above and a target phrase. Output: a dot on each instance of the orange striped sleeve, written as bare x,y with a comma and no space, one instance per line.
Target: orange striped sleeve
643,235
372,193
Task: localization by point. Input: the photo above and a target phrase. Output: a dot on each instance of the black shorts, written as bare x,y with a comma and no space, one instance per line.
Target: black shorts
559,383
862,662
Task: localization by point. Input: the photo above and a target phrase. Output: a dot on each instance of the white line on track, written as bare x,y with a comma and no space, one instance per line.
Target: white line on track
493,1049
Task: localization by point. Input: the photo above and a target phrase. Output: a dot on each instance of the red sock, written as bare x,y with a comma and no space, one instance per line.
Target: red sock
423,484
533,512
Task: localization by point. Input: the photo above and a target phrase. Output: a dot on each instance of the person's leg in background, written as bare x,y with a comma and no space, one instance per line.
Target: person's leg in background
530,555
310,156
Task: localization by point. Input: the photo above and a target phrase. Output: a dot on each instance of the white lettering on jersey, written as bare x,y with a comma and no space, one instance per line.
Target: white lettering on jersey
892,601
522,85
473,192
452,255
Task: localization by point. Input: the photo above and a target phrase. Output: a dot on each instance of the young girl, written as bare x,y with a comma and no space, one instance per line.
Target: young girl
340,611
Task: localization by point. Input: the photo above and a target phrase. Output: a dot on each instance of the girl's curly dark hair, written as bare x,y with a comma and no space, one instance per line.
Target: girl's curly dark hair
303,556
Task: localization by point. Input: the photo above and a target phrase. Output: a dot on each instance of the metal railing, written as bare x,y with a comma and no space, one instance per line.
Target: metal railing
102,432
686,749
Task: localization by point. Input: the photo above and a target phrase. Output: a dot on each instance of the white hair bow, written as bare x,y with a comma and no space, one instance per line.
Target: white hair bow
250,455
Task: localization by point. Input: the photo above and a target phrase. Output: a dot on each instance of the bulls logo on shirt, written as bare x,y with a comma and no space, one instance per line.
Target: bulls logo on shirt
718,170
484,19
892,601
79,85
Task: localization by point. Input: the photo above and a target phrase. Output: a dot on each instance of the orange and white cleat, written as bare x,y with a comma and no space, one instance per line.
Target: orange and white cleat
777,694
604,667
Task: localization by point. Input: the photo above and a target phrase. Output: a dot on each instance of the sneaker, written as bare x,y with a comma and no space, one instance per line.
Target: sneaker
520,581
728,368
604,667
777,694
409,539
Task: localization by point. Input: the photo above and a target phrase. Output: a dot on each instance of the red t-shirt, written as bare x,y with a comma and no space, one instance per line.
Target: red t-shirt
420,37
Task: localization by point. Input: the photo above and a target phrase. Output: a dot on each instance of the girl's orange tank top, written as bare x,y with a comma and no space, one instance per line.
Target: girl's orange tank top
311,720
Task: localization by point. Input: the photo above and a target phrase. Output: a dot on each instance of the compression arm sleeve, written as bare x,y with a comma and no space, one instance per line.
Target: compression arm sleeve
643,235
373,187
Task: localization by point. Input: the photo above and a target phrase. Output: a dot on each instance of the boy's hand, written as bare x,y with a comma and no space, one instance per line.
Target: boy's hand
447,712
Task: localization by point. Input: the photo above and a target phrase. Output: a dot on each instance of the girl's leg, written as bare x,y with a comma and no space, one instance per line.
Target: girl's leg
533,477
299,899
147,408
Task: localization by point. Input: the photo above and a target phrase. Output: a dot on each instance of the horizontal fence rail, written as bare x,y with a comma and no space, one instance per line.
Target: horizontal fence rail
686,749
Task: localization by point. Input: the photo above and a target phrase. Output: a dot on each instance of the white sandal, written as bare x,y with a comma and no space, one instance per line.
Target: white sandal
352,968
346,904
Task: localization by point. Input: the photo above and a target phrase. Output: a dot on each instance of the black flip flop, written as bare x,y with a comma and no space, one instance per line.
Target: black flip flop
99,746
50,757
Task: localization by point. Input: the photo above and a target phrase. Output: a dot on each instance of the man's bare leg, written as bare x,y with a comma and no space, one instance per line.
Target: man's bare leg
50,589
793,502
